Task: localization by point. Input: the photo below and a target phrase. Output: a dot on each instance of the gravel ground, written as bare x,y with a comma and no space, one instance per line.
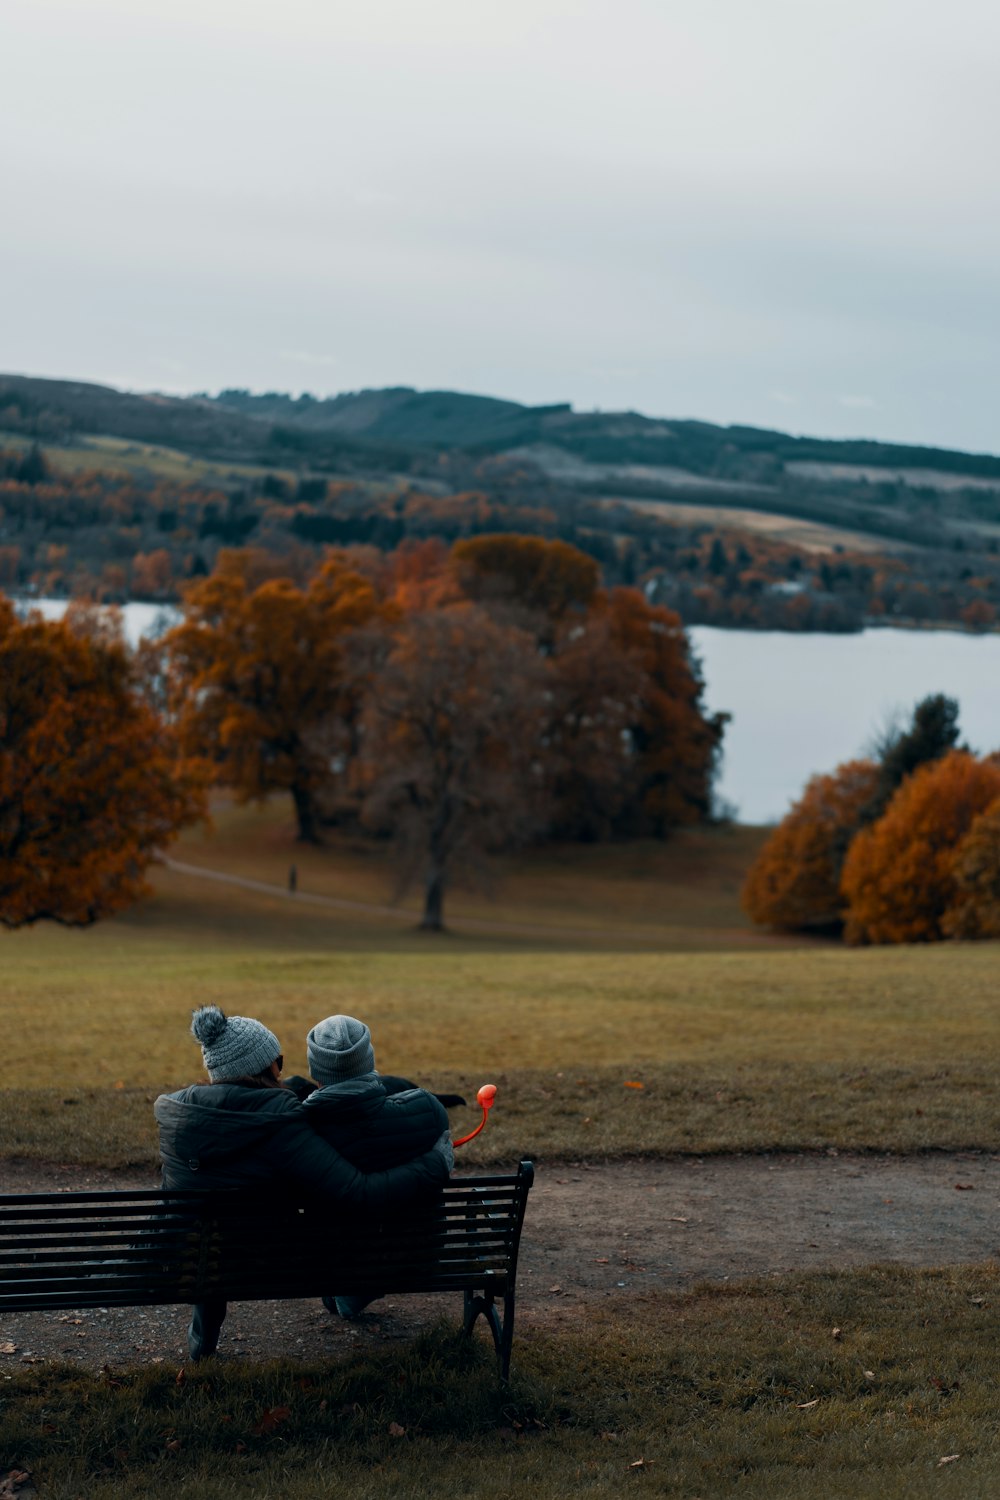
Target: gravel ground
593,1232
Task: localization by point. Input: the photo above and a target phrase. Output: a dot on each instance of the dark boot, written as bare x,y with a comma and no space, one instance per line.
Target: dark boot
205,1327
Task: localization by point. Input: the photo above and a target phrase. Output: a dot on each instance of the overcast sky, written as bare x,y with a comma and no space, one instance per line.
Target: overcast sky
782,212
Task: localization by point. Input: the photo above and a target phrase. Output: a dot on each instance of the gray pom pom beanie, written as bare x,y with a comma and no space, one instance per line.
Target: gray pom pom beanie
233,1046
340,1047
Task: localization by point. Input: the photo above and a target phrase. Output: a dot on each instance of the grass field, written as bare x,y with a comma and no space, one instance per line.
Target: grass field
738,1043
817,1387
113,455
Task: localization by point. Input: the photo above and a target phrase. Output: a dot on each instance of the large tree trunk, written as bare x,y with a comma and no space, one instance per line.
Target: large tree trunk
433,919
305,814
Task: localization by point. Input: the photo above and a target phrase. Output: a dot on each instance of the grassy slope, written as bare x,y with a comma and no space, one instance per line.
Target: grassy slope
738,1043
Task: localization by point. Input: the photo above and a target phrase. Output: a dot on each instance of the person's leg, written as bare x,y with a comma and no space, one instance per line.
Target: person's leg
205,1326
349,1306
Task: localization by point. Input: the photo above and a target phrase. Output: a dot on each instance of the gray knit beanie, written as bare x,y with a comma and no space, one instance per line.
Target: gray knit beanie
233,1046
340,1047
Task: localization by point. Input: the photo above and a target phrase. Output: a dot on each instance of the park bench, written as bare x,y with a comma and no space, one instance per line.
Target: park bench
137,1249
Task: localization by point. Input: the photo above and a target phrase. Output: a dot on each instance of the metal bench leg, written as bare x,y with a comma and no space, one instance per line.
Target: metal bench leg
503,1333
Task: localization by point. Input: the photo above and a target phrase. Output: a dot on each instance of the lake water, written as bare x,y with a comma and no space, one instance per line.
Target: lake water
800,703
804,703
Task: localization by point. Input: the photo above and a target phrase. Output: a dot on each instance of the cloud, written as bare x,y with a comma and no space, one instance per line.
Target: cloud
858,403
784,398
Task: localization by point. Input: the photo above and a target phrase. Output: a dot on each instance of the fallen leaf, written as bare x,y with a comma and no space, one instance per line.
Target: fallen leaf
173,1446
869,1374
609,1437
949,1458
602,1260
7,1347
836,1333
272,1418
677,1219
805,1405
395,1430
555,1288
638,1463
241,1447
180,1377
633,1083
964,1187
120,1083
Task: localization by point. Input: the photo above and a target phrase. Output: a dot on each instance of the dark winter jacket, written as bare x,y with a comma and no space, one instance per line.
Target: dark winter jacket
373,1126
232,1136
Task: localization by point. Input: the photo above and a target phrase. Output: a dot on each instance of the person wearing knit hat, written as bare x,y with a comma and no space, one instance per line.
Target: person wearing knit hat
340,1047
233,1046
374,1122
246,1130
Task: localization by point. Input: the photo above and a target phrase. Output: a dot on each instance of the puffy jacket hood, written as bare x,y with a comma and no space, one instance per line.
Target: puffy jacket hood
211,1124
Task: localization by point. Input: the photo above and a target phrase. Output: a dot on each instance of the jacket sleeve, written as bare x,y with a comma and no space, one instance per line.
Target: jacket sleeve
299,1153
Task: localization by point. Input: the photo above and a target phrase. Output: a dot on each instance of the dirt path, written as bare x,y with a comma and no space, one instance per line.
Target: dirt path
594,1233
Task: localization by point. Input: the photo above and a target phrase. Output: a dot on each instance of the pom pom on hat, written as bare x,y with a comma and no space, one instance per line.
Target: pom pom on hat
233,1046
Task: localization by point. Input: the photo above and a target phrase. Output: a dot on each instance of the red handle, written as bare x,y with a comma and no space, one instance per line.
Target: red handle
485,1097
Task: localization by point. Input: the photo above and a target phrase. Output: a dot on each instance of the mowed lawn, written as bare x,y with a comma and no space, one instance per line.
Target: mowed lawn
738,1042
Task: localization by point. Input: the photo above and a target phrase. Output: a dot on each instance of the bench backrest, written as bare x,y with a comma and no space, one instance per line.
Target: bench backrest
129,1249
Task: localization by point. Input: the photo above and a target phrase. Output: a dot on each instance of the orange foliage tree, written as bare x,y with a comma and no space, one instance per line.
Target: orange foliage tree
89,786
975,908
629,750
794,883
899,875
675,745
260,682
550,578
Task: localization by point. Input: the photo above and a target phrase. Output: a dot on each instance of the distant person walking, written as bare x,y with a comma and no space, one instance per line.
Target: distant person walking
245,1129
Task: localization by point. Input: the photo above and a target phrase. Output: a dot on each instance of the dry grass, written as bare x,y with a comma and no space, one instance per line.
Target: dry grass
739,1046
684,893
742,1392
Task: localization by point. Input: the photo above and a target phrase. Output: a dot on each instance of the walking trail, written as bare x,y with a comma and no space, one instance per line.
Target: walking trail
593,1233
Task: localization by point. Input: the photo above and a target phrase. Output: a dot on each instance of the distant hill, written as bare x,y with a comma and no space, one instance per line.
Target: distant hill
391,424
114,494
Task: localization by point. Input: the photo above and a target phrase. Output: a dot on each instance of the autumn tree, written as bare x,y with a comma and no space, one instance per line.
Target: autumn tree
932,732
794,883
89,786
899,875
596,696
675,744
259,681
452,738
547,577
975,908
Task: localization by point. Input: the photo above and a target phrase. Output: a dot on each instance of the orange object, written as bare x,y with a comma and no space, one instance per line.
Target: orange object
485,1097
